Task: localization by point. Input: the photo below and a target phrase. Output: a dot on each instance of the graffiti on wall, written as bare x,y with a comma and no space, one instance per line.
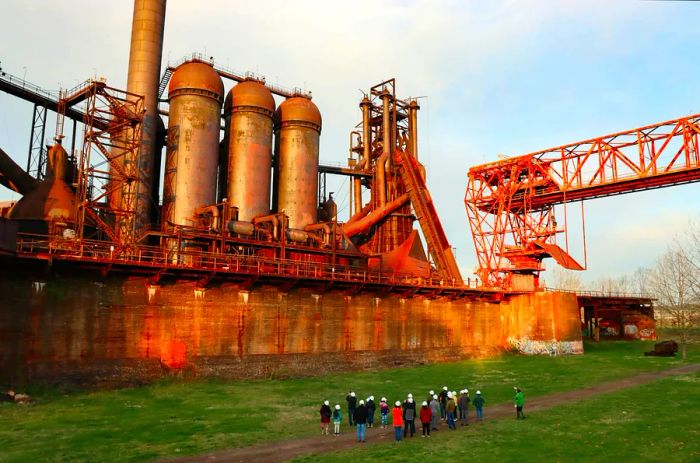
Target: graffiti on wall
529,346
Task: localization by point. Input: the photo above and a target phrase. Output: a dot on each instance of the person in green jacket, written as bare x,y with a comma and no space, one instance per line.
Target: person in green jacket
337,419
479,406
519,404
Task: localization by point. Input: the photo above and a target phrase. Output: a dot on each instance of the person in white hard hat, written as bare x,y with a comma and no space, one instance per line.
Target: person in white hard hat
479,406
325,417
435,409
360,419
426,416
463,403
450,408
352,403
442,398
337,419
384,412
371,408
409,416
397,415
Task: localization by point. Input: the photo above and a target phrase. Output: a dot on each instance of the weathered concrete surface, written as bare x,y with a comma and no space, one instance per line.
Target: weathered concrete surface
120,332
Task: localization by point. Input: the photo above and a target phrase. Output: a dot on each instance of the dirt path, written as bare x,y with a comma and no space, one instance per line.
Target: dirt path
275,452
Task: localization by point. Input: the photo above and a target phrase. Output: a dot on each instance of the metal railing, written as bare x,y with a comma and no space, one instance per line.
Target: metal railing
22,83
239,76
591,293
155,257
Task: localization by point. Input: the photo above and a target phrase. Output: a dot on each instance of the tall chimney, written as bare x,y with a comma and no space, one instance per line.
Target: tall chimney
144,78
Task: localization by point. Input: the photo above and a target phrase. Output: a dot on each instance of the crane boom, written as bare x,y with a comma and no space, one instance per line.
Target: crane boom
510,203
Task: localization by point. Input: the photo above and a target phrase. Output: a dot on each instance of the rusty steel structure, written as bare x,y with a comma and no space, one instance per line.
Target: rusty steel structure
510,203
143,80
248,112
108,164
191,163
255,196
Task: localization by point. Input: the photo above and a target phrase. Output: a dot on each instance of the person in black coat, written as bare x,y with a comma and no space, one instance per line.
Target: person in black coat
352,403
325,417
371,408
361,421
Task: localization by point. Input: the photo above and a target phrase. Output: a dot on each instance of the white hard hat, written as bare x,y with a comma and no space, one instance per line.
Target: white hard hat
352,394
466,391
425,404
454,393
444,388
383,399
371,397
325,402
362,402
337,407
398,404
410,400
478,392
368,399
435,396
410,396
449,395
432,392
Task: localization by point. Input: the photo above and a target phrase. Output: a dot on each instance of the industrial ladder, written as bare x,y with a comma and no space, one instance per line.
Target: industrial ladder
164,81
438,246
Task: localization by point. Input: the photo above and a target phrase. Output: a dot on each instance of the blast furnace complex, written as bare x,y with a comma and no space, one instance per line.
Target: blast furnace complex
186,229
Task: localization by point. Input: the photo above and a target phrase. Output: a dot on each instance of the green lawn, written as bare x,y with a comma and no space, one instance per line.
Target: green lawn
656,422
179,418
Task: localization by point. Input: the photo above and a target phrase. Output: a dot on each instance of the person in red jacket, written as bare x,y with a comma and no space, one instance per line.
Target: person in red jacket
397,414
426,415
325,417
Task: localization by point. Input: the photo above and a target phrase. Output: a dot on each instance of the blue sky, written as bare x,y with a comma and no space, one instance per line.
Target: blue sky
505,77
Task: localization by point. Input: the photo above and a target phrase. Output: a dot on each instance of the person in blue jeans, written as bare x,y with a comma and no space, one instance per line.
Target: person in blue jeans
384,410
479,406
360,419
397,421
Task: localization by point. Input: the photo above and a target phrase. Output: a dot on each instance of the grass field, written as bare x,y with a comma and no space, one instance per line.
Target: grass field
657,422
176,418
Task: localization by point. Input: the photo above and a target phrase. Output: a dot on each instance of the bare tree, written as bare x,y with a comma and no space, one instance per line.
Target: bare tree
568,280
673,282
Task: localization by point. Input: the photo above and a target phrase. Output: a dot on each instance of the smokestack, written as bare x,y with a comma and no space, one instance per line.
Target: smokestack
144,78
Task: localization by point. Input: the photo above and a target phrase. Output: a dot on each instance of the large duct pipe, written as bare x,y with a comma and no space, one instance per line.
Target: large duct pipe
364,224
14,177
143,79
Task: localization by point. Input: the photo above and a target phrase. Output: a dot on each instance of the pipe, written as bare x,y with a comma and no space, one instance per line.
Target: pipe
298,236
365,105
384,160
241,228
14,177
213,210
362,225
320,226
361,214
413,127
145,56
272,218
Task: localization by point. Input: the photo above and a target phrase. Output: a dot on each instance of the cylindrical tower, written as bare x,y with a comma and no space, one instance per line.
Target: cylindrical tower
195,95
248,111
143,79
297,132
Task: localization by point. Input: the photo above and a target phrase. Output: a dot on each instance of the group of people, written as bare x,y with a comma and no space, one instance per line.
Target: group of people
448,406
